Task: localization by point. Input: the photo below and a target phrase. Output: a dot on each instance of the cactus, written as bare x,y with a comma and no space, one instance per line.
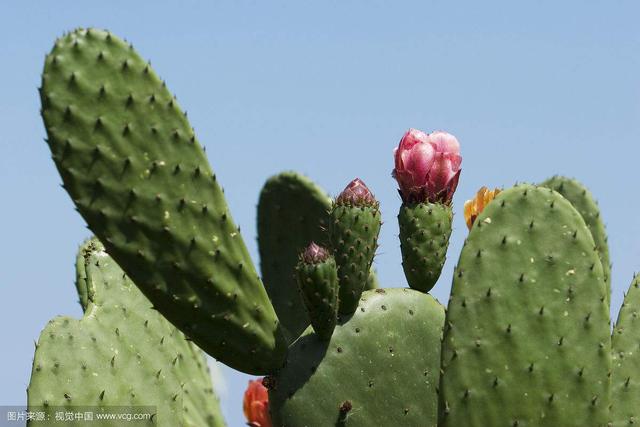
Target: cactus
317,276
427,168
121,353
527,322
379,368
625,387
425,229
526,339
581,198
132,165
292,212
354,226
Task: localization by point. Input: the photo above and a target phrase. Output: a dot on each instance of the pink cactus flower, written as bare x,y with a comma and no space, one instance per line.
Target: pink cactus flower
256,405
356,194
427,166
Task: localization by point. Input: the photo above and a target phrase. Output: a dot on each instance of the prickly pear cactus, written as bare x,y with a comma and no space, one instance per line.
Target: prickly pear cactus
121,353
132,165
625,392
526,341
292,212
354,225
581,199
379,368
317,276
425,229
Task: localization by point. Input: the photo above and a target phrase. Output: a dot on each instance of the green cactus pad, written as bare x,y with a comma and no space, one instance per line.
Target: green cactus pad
425,229
292,212
526,340
131,163
353,231
581,199
318,285
121,353
380,368
625,391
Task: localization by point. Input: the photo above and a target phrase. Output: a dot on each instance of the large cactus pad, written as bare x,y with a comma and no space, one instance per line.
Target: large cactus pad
526,339
381,367
131,163
121,353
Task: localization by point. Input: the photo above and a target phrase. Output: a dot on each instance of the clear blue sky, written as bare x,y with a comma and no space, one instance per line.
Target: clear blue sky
328,90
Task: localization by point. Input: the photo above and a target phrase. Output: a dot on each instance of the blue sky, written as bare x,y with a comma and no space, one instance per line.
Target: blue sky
327,89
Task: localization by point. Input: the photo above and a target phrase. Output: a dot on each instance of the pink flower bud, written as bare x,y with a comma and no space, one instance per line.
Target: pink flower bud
356,194
315,254
427,166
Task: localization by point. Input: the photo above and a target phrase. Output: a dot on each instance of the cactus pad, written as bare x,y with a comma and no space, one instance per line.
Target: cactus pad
425,229
526,341
122,353
131,163
292,212
381,367
353,231
318,283
581,199
625,391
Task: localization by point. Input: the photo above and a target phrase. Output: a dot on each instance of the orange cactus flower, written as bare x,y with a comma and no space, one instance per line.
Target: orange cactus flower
256,404
473,207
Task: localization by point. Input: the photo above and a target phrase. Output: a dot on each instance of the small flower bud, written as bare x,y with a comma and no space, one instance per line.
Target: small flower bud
356,194
314,254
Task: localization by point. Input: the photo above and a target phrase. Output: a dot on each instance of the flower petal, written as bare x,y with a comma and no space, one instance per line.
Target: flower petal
444,142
